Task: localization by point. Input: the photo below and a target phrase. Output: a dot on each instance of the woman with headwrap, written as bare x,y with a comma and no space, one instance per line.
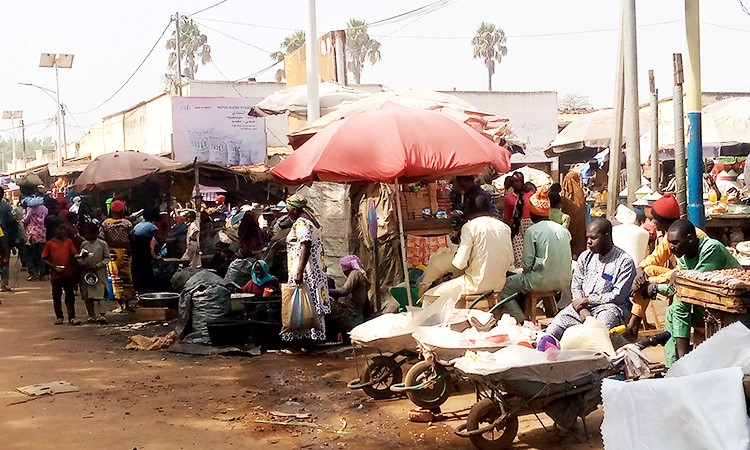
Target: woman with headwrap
304,250
574,204
520,220
354,307
261,280
116,231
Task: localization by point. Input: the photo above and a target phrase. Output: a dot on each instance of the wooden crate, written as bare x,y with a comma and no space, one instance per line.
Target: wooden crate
153,314
712,296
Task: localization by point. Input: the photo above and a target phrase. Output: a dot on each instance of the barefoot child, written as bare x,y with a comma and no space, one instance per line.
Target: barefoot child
94,259
59,255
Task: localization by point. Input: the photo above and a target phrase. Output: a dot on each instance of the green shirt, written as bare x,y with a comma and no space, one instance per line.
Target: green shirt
712,255
556,215
547,261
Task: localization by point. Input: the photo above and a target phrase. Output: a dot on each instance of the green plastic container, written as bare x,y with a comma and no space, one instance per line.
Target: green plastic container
399,293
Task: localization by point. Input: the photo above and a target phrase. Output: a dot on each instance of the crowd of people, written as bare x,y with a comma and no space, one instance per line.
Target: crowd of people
542,243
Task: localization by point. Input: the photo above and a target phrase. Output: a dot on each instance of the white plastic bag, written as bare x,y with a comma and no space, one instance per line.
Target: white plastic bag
592,334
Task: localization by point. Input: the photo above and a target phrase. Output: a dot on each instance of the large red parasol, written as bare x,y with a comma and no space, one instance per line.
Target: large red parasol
393,143
390,145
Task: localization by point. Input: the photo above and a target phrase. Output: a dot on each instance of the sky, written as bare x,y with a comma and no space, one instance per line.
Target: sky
568,47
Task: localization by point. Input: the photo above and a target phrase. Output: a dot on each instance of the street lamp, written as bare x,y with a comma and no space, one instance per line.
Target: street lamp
12,115
58,61
60,107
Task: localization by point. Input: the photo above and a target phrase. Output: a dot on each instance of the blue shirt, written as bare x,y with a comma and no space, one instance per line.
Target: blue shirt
145,229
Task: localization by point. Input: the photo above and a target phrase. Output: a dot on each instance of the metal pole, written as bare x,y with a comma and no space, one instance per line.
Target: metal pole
178,53
23,139
13,142
632,113
339,39
654,131
696,212
615,144
59,117
311,57
403,241
65,133
679,136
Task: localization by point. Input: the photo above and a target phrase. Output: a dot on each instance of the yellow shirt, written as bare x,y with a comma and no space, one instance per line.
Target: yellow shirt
662,253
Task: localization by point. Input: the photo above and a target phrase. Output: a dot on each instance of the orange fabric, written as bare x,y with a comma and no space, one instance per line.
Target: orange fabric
419,249
574,205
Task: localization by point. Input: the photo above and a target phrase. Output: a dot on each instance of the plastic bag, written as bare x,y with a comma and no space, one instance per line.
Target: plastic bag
297,310
591,335
240,271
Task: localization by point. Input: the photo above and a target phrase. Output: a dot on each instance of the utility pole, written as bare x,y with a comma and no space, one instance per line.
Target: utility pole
654,131
695,209
679,136
632,110
65,134
23,140
13,142
178,52
311,58
615,144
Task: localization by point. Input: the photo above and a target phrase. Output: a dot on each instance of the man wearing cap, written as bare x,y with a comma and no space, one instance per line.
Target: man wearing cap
657,267
546,255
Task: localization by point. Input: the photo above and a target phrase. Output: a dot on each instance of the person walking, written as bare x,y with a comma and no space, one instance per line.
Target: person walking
116,231
34,219
574,205
59,253
94,260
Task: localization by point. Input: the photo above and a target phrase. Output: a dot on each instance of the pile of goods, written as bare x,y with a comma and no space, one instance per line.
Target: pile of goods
727,290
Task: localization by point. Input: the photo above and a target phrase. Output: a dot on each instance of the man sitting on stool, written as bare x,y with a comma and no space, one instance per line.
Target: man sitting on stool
601,282
546,256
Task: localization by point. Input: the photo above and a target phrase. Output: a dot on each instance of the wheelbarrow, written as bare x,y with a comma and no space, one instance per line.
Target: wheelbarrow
385,369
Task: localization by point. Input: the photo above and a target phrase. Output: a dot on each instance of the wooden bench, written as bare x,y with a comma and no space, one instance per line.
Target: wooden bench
548,301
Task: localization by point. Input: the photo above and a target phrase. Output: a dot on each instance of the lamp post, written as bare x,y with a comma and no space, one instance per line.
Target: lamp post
58,61
12,115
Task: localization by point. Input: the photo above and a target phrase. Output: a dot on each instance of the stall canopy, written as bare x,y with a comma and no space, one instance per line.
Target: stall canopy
293,100
536,176
392,143
592,130
119,170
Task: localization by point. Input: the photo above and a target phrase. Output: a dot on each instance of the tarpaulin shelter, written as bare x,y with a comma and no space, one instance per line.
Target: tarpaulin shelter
393,144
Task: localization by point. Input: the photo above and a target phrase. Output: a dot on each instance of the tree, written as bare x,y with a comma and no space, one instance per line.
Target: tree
360,47
193,48
489,45
288,45
573,102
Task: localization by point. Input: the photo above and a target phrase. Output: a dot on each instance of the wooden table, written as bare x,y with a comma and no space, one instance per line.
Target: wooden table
728,228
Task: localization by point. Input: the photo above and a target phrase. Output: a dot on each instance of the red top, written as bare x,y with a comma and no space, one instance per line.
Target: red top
252,288
60,254
510,204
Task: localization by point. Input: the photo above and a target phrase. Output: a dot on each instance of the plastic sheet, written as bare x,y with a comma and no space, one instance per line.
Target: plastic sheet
592,334
240,271
727,348
703,411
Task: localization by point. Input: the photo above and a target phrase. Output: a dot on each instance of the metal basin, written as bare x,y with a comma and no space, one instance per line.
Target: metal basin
159,300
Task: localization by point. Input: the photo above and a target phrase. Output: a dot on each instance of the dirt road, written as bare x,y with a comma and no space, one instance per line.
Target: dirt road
162,400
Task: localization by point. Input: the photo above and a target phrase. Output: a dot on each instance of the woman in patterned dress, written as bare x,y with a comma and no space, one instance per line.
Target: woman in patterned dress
116,231
305,262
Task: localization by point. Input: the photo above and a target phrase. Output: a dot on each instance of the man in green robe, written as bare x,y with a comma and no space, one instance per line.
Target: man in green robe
693,253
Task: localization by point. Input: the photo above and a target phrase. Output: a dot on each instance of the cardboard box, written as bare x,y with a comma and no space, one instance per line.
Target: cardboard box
143,314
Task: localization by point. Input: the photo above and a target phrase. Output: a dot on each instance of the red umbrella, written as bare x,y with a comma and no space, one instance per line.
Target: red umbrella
391,144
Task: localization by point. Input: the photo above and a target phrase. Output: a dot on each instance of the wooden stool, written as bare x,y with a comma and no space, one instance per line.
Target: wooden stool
548,301
485,304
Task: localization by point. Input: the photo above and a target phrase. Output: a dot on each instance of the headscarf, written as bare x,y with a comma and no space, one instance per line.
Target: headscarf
267,277
539,202
117,206
109,203
220,199
574,205
352,262
300,202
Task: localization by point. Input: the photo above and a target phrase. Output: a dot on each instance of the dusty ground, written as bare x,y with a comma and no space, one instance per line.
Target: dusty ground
162,400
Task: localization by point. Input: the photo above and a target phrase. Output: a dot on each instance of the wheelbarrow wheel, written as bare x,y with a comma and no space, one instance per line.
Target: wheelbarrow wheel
382,373
501,436
432,396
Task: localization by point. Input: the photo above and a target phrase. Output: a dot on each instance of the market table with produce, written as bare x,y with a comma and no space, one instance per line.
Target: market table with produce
728,222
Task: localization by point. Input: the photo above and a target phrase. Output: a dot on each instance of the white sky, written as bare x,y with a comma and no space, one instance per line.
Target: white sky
110,38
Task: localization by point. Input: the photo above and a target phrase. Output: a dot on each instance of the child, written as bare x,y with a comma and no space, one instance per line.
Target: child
94,259
59,255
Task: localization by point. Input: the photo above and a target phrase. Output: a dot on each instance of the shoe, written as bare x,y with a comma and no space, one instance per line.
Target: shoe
5,289
91,319
101,320
59,321
74,322
32,278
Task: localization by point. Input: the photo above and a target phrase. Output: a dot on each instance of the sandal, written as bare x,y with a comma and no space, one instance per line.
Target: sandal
74,322
59,321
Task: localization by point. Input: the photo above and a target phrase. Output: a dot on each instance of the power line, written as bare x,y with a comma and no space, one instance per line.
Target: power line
225,77
132,74
269,27
255,74
207,8
424,10
232,37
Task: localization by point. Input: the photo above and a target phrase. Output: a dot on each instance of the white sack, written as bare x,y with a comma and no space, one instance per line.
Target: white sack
727,348
592,334
706,411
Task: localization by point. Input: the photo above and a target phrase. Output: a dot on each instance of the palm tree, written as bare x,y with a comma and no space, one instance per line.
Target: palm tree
288,45
489,45
193,47
360,47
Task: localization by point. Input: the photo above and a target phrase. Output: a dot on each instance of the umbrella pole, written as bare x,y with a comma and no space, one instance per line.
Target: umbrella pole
403,242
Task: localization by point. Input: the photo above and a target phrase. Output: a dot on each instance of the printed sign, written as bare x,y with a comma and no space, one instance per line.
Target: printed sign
217,130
